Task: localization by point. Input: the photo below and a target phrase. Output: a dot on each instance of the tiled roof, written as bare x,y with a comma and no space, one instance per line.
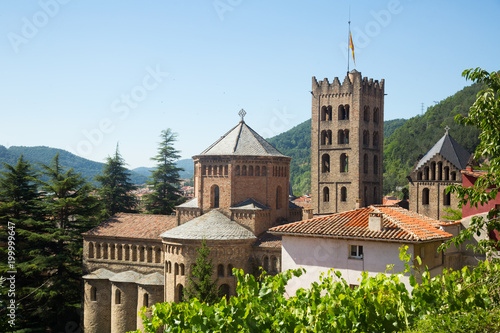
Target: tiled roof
128,276
250,204
211,226
267,240
155,279
398,225
99,274
450,149
241,140
143,226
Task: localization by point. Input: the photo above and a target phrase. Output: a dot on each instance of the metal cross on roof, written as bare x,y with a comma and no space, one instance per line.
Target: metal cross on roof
242,114
447,128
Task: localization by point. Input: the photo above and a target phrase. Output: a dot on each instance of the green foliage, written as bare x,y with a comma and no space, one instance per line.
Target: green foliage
48,241
116,186
392,125
417,135
380,303
452,214
484,115
165,177
200,285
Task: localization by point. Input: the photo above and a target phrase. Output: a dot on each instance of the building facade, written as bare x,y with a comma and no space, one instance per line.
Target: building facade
346,143
133,260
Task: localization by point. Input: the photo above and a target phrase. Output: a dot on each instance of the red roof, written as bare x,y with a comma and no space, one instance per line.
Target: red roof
143,226
266,240
399,224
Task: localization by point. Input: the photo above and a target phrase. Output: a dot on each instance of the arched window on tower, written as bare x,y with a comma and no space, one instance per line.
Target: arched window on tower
453,175
326,194
375,115
439,171
323,113
344,163
425,196
325,163
366,138
446,173
343,193
257,171
366,113
346,136
329,113
375,139
375,165
220,270
224,291
343,112
215,196
118,296
323,137
244,170
365,163
446,198
340,137
91,250
346,108
250,170
426,173
179,293
279,197
433,171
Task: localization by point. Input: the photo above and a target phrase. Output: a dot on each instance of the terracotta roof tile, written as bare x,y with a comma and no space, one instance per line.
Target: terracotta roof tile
266,240
398,225
144,226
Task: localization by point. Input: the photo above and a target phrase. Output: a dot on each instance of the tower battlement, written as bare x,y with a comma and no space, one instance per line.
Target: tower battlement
352,80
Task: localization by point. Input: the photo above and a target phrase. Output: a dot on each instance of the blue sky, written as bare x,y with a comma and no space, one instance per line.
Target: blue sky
86,75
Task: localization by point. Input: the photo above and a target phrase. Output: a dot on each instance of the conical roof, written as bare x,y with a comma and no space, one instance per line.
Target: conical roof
210,226
450,149
241,140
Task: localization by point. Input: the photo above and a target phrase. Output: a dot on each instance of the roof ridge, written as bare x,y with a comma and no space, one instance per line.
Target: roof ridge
241,123
217,141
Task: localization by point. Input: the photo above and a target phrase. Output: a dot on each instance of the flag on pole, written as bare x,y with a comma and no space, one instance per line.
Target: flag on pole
351,46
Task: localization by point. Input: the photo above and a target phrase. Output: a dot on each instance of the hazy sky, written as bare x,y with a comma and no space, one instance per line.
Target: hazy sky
84,75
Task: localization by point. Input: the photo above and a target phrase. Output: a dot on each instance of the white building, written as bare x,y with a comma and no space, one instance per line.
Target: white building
365,239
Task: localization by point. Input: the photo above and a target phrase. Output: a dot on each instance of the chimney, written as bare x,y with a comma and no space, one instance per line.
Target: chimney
359,203
375,221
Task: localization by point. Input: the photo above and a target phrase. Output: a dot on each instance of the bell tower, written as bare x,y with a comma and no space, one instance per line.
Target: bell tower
347,131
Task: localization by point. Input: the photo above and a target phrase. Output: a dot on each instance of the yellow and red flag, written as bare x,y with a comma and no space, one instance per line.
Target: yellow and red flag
351,46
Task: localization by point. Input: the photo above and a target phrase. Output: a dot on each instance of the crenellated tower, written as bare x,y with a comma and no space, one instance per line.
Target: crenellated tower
347,132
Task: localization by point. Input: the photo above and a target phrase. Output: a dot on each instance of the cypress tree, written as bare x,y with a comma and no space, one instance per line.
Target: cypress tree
116,186
200,283
165,177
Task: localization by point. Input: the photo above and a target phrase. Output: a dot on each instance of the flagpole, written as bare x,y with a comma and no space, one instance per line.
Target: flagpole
348,38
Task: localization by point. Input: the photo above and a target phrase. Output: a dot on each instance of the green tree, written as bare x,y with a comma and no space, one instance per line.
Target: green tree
165,177
70,210
20,216
200,285
116,187
485,115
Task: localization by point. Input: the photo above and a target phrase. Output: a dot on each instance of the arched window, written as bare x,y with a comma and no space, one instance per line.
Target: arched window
98,251
366,113
224,291
365,163
343,193
203,170
169,266
93,294
329,137
426,173
105,251
366,138
257,171
221,170
176,269
344,163
329,113
346,136
119,252
375,165
375,115
375,139
220,270
274,264
324,137
419,175
179,293
340,137
439,171
343,114
91,250
446,198
215,196
433,171
126,248
266,263
181,266
118,296
244,170
264,171
326,194
141,253
323,113
209,170
229,270
425,196
237,170
158,255
346,112
145,300
149,254
325,163
134,252
226,170
112,251
446,173
279,197
453,175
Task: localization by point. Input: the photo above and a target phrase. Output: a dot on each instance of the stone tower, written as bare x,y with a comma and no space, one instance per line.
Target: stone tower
347,133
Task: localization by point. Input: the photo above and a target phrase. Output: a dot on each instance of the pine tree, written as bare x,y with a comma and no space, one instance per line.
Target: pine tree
21,221
165,177
116,186
70,210
200,284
